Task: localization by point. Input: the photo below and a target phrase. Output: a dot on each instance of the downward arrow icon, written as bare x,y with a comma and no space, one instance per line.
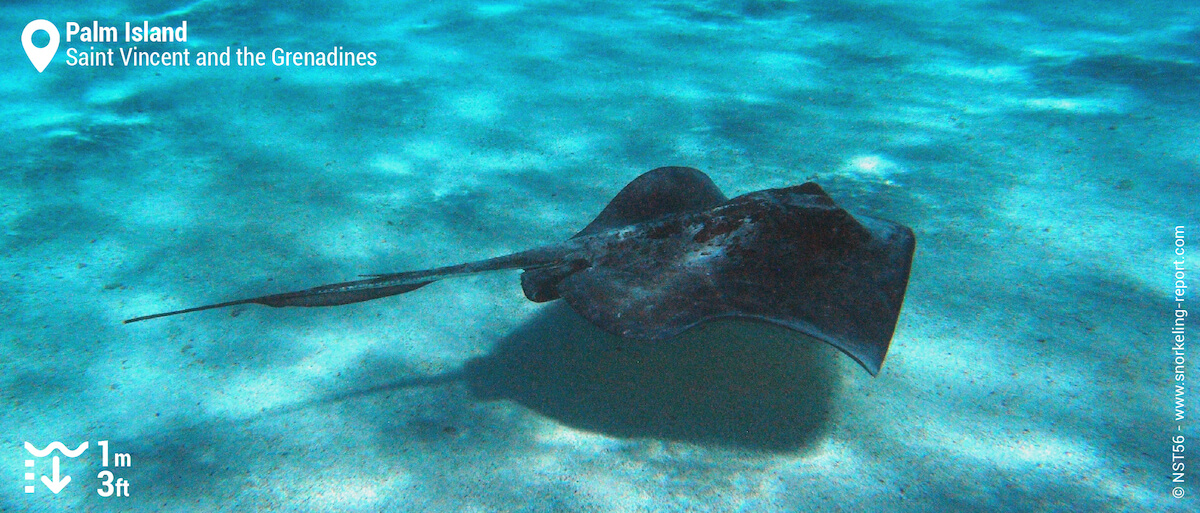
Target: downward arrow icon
55,485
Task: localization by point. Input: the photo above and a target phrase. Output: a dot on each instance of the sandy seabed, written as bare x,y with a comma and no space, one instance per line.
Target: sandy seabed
1043,155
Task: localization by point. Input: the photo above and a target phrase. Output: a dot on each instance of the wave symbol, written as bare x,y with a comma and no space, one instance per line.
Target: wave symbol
55,445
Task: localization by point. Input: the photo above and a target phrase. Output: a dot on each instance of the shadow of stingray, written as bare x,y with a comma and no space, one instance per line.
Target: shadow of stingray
731,383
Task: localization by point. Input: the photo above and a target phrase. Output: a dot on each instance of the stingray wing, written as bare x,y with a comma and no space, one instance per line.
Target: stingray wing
786,256
656,194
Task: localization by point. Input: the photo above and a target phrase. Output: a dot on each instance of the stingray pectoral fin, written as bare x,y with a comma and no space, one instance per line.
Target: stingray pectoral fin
657,193
642,304
325,295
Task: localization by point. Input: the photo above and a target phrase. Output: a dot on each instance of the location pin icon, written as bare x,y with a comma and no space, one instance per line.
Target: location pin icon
40,57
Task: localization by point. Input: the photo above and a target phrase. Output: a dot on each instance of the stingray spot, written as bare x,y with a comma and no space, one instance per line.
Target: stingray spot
665,230
717,227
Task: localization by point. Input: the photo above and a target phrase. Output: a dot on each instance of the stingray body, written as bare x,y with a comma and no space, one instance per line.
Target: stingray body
671,251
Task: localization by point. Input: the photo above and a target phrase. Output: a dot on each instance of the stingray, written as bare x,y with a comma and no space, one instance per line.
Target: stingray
670,251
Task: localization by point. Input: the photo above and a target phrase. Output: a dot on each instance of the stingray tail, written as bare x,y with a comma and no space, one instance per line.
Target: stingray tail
325,295
381,285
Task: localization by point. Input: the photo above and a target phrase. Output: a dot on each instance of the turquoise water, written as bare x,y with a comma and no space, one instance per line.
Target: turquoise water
1043,155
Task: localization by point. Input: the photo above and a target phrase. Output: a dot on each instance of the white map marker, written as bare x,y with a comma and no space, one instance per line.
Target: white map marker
40,57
